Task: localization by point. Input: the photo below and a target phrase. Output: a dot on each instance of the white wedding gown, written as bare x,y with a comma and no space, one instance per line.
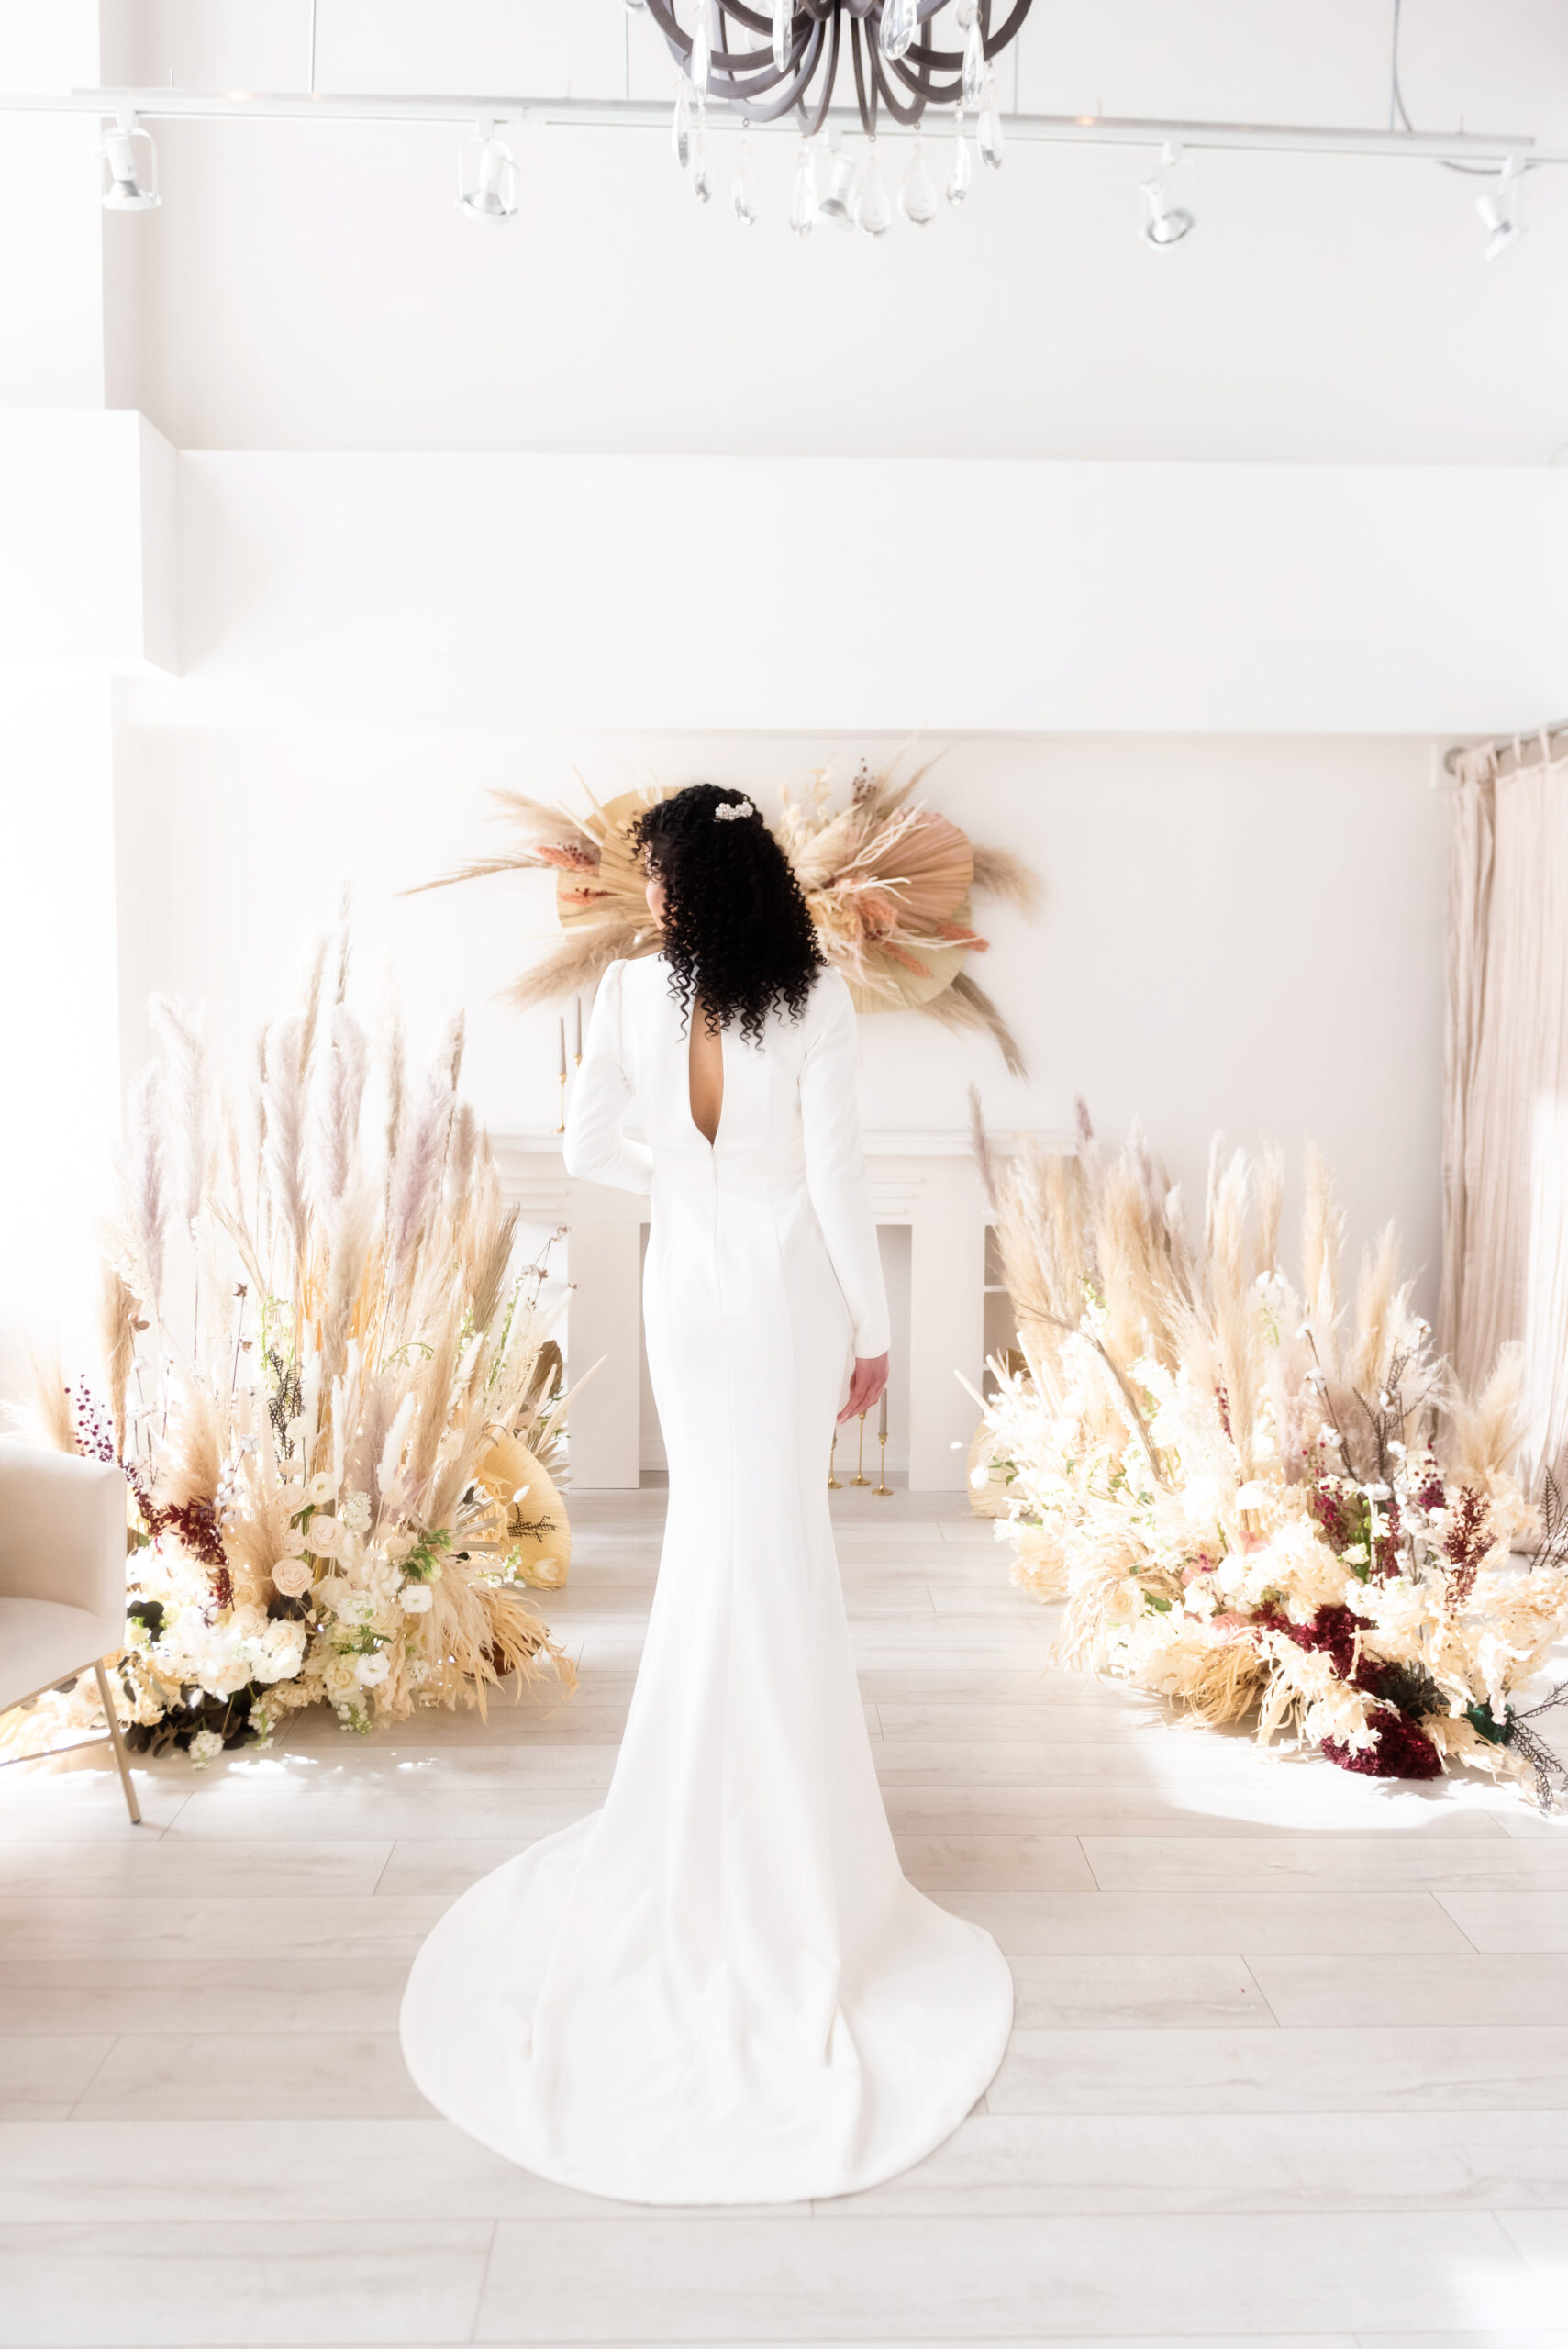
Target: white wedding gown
720,1987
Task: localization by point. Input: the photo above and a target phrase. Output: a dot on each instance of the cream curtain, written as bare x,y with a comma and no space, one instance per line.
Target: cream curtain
1506,1079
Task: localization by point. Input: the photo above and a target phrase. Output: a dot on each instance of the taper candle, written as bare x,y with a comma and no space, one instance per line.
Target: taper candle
577,1048
882,1423
563,1069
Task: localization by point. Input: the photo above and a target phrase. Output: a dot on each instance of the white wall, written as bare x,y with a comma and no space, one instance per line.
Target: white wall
59,1036
1238,933
494,593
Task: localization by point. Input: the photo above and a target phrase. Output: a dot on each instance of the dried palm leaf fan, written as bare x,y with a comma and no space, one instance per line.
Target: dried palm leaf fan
888,882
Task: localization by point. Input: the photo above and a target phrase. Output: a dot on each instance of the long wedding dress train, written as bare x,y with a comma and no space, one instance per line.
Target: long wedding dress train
720,1987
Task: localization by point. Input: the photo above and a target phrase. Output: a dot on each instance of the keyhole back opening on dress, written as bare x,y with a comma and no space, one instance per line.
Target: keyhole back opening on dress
705,1074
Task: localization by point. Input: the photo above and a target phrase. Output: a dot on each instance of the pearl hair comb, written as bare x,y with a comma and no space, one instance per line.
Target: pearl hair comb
730,809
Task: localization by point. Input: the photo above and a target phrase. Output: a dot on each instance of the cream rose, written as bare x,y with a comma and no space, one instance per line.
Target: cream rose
339,1675
291,1577
325,1535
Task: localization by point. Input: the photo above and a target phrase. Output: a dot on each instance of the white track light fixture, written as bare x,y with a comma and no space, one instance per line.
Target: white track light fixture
1501,210
130,168
1167,223
486,176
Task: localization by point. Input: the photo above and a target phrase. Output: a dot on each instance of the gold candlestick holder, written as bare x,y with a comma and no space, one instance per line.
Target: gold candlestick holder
835,1484
560,1128
883,1491
860,1477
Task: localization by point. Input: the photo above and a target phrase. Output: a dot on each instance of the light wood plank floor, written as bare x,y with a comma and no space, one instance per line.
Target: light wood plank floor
1290,2064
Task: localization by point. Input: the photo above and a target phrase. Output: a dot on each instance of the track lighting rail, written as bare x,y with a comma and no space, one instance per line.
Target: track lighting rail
634,113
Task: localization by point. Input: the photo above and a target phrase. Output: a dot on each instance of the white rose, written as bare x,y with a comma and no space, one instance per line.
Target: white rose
283,1651
204,1745
338,1678
320,1489
1124,1602
324,1536
372,1670
291,1577
416,1598
291,1544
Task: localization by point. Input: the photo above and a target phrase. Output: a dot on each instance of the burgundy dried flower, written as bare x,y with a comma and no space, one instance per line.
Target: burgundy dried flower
1401,1751
1464,1545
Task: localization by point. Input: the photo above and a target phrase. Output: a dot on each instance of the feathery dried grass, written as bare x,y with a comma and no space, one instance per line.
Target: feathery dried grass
189,1098
118,1318
145,1186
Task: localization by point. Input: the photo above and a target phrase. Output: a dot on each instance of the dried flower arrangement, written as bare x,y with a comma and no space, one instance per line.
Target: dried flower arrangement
887,879
1256,1506
333,1400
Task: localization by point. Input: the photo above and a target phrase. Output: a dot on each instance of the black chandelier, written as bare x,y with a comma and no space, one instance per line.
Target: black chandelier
790,62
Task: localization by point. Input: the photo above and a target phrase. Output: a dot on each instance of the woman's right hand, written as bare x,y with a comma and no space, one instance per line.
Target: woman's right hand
869,1378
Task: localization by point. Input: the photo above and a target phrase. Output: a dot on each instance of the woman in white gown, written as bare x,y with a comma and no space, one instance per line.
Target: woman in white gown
720,1987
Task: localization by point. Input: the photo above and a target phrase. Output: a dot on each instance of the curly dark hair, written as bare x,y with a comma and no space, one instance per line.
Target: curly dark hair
737,932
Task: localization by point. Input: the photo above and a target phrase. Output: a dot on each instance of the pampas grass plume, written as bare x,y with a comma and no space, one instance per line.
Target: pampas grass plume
147,1191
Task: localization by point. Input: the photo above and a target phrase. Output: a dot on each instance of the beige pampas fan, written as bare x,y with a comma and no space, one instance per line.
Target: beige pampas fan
530,1520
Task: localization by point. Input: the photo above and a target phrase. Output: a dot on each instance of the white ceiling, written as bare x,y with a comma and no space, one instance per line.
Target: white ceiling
314,286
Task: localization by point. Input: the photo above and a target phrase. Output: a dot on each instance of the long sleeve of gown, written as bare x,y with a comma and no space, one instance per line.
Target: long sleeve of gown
835,1164
594,1146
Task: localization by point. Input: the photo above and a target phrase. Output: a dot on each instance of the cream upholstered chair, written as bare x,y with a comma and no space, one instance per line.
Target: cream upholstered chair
62,1553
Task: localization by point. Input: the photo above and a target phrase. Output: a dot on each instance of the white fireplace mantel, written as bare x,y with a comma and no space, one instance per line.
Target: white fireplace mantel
927,1181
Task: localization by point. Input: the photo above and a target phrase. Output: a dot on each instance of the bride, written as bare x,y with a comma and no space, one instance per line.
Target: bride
720,1987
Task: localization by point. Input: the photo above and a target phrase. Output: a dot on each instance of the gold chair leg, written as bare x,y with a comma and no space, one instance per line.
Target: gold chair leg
121,1757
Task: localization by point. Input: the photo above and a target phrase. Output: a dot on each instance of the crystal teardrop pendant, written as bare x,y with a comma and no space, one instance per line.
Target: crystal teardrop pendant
743,186
784,33
873,208
803,199
961,170
917,198
900,22
989,128
838,207
702,178
702,52
973,64
680,124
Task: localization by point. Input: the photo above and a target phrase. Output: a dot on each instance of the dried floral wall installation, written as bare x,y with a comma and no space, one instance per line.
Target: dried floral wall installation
889,882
